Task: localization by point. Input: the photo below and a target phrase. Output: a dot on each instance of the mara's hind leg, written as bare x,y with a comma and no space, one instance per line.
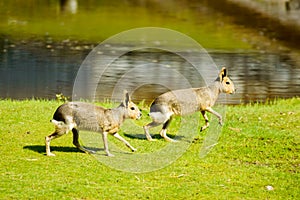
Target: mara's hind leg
48,140
76,141
148,126
61,128
158,117
163,131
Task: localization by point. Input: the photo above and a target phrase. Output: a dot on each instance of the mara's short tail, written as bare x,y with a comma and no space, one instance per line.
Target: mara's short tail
57,123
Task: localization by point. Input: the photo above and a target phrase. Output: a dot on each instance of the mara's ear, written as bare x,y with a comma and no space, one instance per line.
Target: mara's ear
126,99
223,73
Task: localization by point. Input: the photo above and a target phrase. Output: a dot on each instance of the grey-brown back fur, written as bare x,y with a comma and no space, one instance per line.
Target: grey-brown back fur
87,116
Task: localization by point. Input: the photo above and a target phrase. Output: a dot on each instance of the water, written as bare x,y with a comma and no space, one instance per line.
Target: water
35,71
40,53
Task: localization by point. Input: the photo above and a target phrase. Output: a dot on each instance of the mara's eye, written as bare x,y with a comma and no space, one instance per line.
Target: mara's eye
132,108
227,82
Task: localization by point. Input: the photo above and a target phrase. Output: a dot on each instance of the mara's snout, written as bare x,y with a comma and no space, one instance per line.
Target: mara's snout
139,116
232,91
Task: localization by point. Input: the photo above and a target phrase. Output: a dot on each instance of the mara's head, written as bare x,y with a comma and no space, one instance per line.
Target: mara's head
227,85
132,111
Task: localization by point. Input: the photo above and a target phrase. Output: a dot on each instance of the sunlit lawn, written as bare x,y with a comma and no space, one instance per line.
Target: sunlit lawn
257,157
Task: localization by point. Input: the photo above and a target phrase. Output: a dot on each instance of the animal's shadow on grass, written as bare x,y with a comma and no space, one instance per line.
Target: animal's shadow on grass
41,149
154,136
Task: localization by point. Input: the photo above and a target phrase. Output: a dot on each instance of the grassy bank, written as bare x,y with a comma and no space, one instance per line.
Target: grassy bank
257,157
95,21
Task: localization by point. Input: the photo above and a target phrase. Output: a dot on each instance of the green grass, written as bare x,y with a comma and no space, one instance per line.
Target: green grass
259,146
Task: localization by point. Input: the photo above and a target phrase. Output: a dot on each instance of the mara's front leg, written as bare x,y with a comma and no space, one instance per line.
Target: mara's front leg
119,137
105,142
206,125
216,114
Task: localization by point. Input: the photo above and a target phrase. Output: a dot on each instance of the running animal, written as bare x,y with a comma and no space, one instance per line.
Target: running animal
187,101
73,116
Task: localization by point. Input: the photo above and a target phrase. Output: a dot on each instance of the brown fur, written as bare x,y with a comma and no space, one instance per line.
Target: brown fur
187,101
73,116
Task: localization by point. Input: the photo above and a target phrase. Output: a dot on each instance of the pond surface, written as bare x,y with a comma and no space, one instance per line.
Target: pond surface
39,72
40,52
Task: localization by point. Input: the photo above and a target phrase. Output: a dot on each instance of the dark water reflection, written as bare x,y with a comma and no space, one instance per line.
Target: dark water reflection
27,72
